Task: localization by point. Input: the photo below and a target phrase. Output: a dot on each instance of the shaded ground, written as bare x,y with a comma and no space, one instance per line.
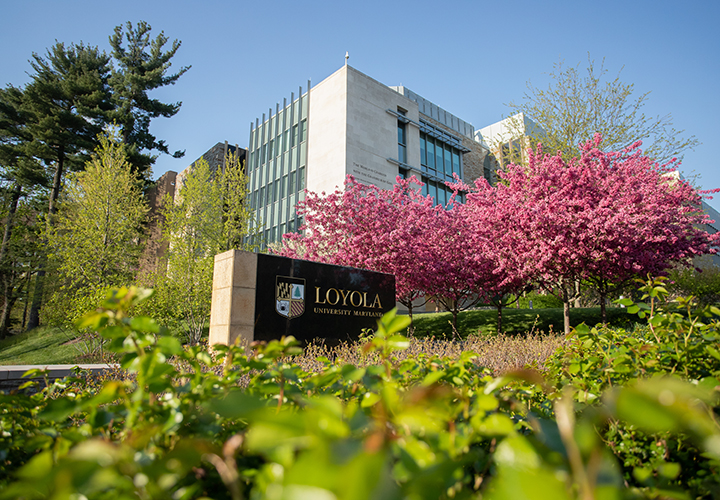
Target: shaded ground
515,321
43,345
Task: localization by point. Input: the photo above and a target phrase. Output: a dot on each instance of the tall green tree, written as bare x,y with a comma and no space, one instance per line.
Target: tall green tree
95,242
21,176
143,64
68,100
580,102
208,215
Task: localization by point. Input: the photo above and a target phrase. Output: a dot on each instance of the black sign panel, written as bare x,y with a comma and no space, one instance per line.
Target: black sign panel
318,301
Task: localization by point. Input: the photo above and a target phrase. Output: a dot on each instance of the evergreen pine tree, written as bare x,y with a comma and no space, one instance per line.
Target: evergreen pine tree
142,66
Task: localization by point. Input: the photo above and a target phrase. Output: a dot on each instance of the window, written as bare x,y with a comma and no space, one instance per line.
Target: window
430,154
303,130
291,183
440,158
294,136
301,178
402,142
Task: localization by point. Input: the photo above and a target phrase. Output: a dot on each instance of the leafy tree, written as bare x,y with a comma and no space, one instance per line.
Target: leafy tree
20,178
95,241
142,66
207,216
573,108
19,173
67,101
702,283
21,253
602,217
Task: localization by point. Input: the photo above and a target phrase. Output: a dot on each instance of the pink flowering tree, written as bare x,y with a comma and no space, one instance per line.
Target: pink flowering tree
645,218
370,228
455,269
498,247
603,217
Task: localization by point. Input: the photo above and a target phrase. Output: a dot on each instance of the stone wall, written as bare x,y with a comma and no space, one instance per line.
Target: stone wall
153,255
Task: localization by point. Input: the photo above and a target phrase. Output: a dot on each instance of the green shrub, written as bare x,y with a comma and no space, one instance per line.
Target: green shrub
703,284
539,301
679,340
256,424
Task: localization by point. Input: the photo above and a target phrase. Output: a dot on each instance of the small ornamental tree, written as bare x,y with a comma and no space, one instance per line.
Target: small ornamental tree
208,215
497,246
645,219
95,241
367,227
602,217
458,269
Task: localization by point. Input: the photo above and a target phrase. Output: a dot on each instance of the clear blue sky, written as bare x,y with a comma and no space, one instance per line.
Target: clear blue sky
469,57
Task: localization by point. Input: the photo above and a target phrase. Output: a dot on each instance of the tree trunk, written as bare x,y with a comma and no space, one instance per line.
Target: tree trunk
411,329
603,298
499,318
34,320
5,320
566,310
17,192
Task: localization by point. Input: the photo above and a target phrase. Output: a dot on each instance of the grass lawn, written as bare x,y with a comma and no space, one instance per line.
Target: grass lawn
515,321
44,345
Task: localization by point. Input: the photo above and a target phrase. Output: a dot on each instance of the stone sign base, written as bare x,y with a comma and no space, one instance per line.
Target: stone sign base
265,297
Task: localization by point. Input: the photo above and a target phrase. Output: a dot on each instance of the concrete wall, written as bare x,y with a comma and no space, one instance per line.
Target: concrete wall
327,127
351,132
372,135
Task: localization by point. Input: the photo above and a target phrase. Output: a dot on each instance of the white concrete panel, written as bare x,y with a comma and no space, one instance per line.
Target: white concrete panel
327,127
372,131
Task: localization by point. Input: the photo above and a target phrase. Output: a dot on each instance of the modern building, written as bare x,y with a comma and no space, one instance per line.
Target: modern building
351,124
509,138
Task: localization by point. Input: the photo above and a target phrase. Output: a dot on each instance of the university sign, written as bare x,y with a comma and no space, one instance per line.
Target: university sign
263,297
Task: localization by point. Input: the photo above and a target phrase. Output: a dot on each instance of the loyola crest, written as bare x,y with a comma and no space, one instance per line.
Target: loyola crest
289,296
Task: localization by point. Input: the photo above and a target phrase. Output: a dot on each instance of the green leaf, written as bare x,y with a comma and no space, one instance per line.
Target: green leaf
58,410
432,377
236,404
495,424
712,351
170,346
144,324
369,399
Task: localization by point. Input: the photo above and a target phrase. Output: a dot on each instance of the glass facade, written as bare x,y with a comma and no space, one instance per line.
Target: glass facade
440,158
277,155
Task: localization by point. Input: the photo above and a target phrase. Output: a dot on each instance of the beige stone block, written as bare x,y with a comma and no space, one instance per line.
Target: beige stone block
221,306
223,270
245,269
242,311
232,313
